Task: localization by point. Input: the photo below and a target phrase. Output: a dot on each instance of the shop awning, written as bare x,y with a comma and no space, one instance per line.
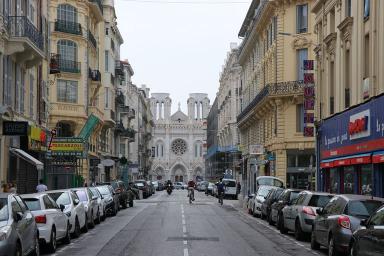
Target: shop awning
378,157
349,160
27,157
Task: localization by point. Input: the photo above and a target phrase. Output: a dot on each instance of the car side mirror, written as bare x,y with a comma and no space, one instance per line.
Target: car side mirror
62,207
18,216
76,201
319,211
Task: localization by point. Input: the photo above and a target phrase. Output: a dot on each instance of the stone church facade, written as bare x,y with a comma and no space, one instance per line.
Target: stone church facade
179,139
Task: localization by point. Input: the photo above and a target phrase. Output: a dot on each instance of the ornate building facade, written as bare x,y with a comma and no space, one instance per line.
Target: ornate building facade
179,139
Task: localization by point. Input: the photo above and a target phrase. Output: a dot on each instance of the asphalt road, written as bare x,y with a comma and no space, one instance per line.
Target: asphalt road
169,226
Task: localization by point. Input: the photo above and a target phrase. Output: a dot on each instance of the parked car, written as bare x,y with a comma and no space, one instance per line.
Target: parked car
184,185
151,187
18,229
90,205
156,185
202,185
299,216
126,196
52,223
369,239
209,189
230,188
73,209
178,185
272,197
144,187
258,199
111,199
101,203
335,223
286,197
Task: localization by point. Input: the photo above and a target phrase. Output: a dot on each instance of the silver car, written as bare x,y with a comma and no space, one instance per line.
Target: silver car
256,201
18,229
335,223
90,204
299,216
101,202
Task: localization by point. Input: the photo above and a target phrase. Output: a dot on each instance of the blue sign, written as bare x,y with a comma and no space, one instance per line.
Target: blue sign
355,131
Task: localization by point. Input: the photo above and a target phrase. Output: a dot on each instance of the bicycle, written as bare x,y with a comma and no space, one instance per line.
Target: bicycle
191,195
221,196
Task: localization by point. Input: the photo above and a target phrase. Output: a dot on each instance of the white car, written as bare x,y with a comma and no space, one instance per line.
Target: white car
101,202
90,205
230,188
259,199
52,223
73,209
178,185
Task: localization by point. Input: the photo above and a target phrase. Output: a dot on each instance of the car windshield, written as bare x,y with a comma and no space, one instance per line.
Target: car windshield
363,208
140,184
94,192
33,203
229,183
61,198
82,195
104,190
277,193
263,191
3,209
319,200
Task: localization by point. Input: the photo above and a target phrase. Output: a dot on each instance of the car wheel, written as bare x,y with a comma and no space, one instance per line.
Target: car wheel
124,204
298,231
52,244
269,216
314,244
98,218
131,203
36,250
85,228
67,238
282,228
77,231
353,250
331,247
18,250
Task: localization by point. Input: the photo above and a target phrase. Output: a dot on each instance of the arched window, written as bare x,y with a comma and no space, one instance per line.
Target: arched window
66,12
64,129
67,50
159,150
198,149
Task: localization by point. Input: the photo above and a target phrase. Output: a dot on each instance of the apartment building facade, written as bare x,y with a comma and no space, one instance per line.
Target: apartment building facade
350,84
277,38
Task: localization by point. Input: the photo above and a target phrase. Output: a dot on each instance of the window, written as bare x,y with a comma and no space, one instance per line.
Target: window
332,88
31,95
378,218
366,57
21,203
363,209
302,18
347,65
367,4
48,204
366,180
106,61
319,200
106,97
299,118
348,8
33,204
302,54
67,91
349,180
67,12
335,206
67,50
333,181
15,206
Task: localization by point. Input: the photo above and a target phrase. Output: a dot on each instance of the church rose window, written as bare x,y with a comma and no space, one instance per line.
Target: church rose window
179,147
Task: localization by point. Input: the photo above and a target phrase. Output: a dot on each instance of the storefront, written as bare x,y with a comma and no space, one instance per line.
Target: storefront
351,150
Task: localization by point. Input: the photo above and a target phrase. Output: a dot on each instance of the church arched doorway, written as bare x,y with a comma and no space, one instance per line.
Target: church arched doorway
179,173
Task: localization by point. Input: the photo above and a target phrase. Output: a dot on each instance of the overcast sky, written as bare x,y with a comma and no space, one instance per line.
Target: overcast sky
178,48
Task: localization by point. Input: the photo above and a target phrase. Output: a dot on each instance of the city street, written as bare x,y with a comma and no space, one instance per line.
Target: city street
168,225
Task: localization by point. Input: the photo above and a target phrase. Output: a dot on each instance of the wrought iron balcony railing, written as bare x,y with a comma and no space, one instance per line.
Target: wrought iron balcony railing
119,68
94,75
92,39
271,90
21,26
99,3
68,27
57,65
120,98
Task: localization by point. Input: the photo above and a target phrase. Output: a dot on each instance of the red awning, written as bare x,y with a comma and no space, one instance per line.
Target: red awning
361,160
326,165
351,160
378,158
341,162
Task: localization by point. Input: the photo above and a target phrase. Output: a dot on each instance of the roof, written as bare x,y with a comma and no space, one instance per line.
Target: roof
179,116
34,195
248,18
353,197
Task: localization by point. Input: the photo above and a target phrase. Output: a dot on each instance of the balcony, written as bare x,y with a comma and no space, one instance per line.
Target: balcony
57,65
120,98
68,27
94,75
109,118
283,89
92,39
25,40
119,68
97,8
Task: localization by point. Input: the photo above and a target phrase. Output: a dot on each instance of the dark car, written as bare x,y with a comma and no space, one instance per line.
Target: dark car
335,223
369,239
272,197
285,198
111,199
125,195
134,189
18,228
143,185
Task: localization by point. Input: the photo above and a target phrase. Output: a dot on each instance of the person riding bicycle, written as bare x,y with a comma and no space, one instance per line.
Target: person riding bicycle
191,189
220,188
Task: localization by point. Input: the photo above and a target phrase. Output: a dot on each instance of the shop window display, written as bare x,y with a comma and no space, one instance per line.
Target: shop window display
349,180
333,181
366,180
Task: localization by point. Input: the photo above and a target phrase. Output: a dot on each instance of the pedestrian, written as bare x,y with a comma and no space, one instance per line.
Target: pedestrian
41,187
238,187
12,188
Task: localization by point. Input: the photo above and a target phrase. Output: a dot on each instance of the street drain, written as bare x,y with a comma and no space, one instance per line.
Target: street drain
193,238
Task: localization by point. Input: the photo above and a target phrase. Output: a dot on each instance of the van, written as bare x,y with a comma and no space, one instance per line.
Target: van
230,188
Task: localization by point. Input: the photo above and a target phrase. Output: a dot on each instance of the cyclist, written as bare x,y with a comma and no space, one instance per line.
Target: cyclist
220,190
191,189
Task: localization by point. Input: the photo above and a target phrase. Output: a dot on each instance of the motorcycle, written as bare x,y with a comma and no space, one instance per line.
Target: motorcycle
169,189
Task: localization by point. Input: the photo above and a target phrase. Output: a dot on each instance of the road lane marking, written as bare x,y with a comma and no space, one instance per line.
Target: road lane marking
184,229
183,221
185,242
186,252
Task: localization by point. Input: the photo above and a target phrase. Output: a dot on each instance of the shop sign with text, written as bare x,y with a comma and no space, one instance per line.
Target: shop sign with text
15,128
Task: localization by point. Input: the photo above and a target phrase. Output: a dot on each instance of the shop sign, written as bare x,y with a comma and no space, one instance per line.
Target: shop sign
256,149
37,139
355,131
67,147
309,98
15,128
